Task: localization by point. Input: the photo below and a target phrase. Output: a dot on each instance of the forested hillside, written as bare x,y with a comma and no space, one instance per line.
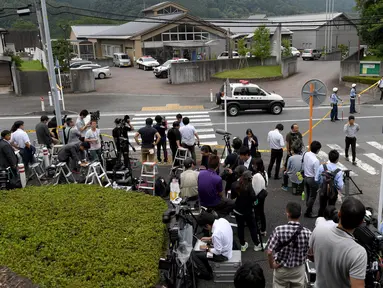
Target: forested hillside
202,8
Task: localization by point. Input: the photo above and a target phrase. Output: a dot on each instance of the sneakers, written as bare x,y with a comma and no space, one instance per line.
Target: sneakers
354,163
346,158
258,247
285,188
244,247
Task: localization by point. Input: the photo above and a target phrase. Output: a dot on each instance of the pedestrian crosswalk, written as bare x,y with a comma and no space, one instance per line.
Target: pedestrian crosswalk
369,163
199,119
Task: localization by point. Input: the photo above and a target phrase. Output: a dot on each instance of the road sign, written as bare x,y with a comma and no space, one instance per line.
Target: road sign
319,92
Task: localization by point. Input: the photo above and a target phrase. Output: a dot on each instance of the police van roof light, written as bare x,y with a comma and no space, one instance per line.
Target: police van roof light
244,82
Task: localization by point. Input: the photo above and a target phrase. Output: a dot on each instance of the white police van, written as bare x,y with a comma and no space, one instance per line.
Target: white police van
245,96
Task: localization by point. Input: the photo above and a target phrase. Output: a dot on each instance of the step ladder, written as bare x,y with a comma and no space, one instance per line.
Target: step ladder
37,171
62,169
181,155
149,171
97,175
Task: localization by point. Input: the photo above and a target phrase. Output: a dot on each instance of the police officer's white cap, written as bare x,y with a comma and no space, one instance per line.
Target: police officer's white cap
353,85
335,89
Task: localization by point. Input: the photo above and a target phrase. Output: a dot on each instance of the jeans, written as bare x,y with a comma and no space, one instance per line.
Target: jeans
276,156
251,224
260,214
311,189
162,144
192,150
334,112
351,141
95,155
352,106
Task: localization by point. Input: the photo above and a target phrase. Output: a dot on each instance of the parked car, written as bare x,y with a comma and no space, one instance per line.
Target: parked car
163,70
225,55
295,52
245,96
147,63
77,64
311,54
98,71
121,60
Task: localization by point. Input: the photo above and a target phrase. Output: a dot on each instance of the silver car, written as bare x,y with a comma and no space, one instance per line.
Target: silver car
311,54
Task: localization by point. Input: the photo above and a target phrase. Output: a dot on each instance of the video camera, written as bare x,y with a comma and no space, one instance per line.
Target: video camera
95,116
368,236
4,180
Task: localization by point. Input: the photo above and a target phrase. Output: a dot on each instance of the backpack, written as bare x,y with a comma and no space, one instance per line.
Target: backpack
328,185
160,187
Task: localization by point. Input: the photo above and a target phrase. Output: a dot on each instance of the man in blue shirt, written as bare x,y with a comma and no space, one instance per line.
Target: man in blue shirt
352,99
324,200
334,99
210,189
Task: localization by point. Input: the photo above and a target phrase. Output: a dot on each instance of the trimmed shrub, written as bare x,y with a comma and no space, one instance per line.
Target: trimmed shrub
82,236
361,79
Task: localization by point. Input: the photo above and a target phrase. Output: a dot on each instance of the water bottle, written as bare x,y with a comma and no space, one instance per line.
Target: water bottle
303,196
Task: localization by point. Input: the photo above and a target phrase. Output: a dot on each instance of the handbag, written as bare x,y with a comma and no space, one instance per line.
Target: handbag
262,195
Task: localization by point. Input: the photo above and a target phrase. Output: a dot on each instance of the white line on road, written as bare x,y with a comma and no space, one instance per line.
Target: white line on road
374,157
375,145
364,166
197,125
199,131
324,157
191,122
202,136
174,113
168,147
191,117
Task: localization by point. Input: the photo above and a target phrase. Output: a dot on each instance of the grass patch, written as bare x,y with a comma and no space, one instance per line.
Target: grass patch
251,72
361,79
82,236
372,58
34,65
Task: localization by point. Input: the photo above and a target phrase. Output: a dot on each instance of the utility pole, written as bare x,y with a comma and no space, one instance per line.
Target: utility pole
51,70
326,30
42,34
331,27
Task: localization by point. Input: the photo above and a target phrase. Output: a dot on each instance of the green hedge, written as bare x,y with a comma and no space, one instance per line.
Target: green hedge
361,79
82,236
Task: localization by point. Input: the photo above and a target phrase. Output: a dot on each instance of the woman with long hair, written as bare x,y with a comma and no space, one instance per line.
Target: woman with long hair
206,152
259,184
251,141
244,211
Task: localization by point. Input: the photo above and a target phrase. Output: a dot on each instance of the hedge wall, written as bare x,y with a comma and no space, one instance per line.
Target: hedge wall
361,79
82,236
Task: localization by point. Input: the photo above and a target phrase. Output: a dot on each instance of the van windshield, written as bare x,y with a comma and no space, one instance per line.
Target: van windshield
125,57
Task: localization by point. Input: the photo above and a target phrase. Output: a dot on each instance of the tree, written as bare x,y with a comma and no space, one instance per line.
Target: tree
371,28
63,51
286,51
21,24
242,49
261,43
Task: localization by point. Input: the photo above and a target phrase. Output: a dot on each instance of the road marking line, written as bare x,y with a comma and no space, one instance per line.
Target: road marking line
202,136
324,157
199,131
375,145
192,121
138,148
174,113
374,157
364,166
194,124
134,118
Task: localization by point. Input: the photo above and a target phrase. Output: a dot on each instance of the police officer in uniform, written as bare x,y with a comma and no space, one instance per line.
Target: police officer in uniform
352,99
334,100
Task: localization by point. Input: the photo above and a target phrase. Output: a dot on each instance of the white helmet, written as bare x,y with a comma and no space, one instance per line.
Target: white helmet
353,85
335,89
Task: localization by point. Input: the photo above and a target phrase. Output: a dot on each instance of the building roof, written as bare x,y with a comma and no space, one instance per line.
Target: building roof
257,16
240,27
161,5
138,26
319,18
85,31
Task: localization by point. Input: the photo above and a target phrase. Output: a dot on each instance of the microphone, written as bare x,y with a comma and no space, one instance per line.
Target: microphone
222,132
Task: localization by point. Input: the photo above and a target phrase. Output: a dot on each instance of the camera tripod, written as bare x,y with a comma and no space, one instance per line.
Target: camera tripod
347,179
227,148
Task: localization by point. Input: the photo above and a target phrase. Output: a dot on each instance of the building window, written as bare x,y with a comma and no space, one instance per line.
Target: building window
157,38
109,50
174,37
165,37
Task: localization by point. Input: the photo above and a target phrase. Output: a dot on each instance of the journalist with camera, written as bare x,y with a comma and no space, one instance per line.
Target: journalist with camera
339,260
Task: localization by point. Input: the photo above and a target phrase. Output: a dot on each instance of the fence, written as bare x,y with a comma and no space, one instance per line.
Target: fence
289,66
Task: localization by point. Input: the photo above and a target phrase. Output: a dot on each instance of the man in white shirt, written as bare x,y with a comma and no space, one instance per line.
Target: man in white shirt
93,137
310,168
80,123
245,158
188,135
21,141
276,142
380,87
221,240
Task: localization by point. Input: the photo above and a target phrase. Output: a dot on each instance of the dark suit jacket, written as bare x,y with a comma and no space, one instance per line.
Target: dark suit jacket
8,157
254,147
250,166
43,135
72,151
